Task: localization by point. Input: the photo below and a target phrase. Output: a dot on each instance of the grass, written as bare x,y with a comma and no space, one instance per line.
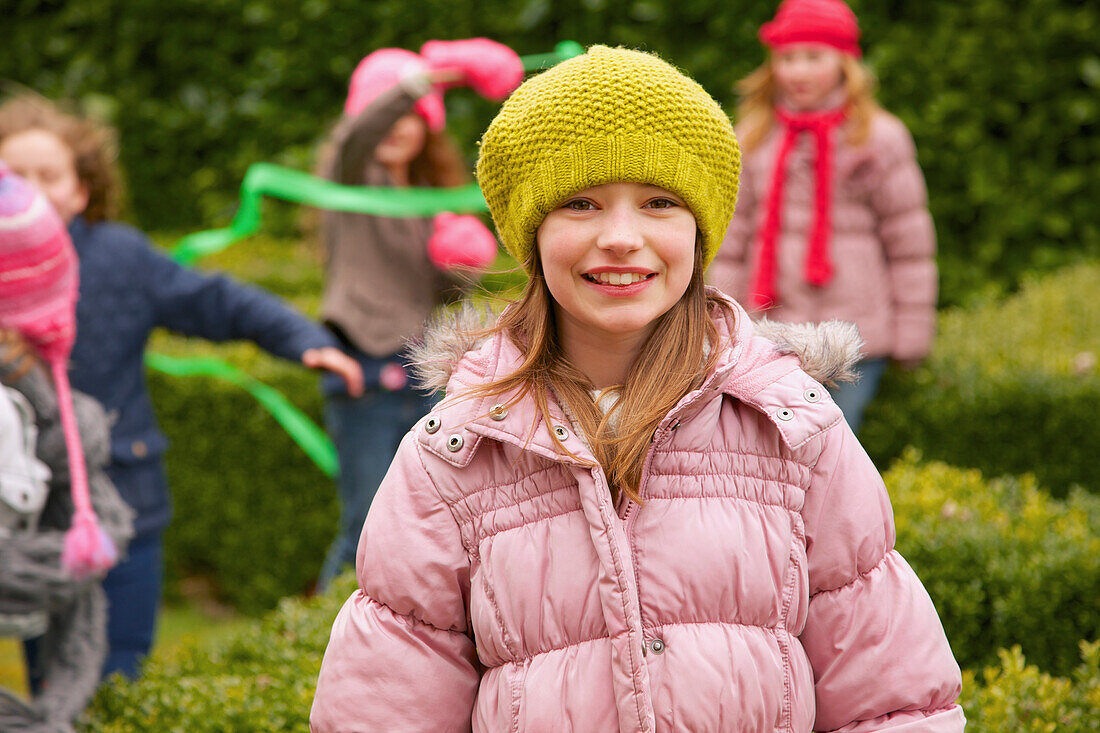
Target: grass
196,618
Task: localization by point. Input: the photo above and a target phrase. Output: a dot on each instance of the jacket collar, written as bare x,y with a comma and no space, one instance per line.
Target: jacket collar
753,359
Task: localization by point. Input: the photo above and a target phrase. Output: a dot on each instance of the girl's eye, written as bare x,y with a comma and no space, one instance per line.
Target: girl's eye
661,203
578,205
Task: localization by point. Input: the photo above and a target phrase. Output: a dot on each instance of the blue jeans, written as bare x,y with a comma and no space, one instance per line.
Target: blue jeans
133,590
367,431
853,398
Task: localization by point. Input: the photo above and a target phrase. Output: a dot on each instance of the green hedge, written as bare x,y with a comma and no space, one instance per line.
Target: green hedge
262,678
1012,386
259,678
252,513
1018,697
1001,97
1004,563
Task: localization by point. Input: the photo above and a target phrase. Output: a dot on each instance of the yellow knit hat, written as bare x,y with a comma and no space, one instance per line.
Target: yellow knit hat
606,116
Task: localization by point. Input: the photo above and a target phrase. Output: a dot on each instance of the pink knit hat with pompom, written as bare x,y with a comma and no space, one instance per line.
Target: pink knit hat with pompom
38,290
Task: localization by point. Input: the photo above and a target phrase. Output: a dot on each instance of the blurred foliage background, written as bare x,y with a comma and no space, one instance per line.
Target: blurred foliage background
1003,98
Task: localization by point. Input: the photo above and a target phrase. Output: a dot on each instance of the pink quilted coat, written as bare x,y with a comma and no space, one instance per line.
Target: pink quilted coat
883,243
756,589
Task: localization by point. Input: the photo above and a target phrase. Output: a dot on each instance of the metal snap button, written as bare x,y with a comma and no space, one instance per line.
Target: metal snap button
813,394
454,443
784,414
498,411
656,646
139,449
432,425
561,432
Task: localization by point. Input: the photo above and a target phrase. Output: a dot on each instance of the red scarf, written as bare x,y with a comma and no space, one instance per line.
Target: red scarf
819,265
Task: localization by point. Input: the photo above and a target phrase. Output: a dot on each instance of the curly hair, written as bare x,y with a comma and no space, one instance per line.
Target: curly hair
94,146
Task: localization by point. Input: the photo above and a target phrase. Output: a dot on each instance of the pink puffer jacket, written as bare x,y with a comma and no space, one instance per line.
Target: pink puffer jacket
756,589
883,242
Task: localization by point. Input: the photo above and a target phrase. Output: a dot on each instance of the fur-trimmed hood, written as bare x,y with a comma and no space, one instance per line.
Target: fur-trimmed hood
826,351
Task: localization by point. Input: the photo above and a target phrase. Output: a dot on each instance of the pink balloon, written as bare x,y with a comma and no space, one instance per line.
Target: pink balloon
491,69
461,241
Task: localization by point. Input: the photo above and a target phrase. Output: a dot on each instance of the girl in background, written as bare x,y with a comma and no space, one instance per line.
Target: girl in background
128,288
385,275
629,512
832,219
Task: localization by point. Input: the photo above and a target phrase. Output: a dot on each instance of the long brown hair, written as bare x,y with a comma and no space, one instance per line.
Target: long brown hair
673,360
755,115
94,146
439,164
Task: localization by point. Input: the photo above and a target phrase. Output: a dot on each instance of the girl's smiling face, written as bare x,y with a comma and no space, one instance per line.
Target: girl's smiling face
49,164
806,73
615,258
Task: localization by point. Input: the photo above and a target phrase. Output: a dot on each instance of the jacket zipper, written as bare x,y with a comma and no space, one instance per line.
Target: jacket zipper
628,520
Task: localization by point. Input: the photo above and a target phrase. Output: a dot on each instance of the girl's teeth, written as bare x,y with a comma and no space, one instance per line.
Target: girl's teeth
619,278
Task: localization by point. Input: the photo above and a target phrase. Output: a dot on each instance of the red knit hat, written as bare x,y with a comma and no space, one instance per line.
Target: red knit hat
38,290
829,22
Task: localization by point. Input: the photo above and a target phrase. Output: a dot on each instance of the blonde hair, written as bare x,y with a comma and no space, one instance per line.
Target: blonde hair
755,111
17,358
94,147
673,360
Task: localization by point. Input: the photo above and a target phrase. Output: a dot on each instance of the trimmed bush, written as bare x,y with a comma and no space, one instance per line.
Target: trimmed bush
259,678
262,678
1018,697
1001,97
252,513
1012,387
1004,563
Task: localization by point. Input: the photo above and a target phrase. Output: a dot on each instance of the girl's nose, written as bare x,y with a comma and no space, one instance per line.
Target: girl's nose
621,231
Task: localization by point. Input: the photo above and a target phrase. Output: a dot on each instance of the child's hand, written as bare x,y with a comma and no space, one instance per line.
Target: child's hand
333,360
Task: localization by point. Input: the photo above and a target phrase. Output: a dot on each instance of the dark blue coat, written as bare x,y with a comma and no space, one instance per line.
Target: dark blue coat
128,288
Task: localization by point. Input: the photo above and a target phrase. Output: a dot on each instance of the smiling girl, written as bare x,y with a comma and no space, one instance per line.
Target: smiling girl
629,512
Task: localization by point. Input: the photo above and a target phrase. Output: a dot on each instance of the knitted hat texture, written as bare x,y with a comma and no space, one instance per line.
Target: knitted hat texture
829,22
38,289
38,269
608,115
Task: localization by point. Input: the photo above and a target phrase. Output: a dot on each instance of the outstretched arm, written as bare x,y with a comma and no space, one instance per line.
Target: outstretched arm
356,136
218,308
